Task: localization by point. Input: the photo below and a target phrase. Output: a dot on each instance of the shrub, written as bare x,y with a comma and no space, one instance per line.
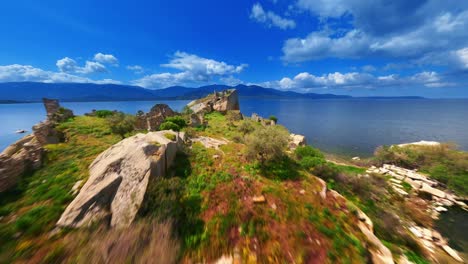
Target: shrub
121,123
178,120
308,151
246,127
267,143
311,162
273,118
168,125
103,113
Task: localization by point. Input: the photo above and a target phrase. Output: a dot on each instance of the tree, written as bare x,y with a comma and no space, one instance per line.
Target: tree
267,143
121,123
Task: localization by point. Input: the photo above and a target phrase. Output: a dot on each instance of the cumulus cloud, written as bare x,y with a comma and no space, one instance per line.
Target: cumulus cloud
135,68
270,19
194,70
306,81
397,29
28,73
106,59
68,65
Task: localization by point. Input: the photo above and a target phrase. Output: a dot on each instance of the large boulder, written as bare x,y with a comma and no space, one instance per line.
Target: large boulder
219,101
118,179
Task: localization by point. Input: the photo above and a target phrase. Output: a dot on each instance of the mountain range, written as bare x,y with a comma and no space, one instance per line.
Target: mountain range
14,92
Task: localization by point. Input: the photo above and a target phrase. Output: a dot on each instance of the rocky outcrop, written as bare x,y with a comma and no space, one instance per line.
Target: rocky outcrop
26,154
296,140
439,200
23,155
379,253
154,118
196,120
118,179
419,183
420,143
218,101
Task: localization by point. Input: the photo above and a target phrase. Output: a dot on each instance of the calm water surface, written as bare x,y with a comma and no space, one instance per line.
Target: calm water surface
344,126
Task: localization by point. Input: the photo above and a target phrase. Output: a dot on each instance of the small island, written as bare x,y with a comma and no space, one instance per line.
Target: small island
210,185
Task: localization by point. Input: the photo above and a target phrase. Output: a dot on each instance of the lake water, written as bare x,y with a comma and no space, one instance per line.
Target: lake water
344,126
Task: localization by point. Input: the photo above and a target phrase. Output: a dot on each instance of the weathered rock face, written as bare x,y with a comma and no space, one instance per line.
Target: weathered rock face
154,118
119,177
218,101
23,155
296,140
196,120
45,133
27,153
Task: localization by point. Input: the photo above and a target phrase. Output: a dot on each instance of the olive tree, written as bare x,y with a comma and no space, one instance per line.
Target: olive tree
267,143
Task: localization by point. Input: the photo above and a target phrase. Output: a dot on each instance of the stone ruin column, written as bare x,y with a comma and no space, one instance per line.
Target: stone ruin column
52,107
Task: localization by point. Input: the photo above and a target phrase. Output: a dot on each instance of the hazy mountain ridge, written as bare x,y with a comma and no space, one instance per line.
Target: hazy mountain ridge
35,91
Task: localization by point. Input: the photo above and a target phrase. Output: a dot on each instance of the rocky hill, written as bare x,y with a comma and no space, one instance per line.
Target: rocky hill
210,185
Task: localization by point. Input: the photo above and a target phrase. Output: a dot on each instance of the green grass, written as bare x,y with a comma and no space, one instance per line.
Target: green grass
41,196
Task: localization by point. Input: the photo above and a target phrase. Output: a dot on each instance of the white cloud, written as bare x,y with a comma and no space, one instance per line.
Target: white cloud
269,18
106,59
201,66
194,70
27,73
398,29
135,68
92,67
68,65
306,81
462,57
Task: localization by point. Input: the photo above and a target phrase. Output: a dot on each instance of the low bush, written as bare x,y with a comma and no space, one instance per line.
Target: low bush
121,124
178,120
267,143
168,125
308,151
273,118
103,113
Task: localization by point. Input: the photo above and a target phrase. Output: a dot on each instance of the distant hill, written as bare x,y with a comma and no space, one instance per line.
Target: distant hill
33,92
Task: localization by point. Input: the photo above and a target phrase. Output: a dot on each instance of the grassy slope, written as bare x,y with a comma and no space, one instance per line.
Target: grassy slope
30,210
208,199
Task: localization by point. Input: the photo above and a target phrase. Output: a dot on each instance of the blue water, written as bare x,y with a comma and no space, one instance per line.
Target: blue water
344,126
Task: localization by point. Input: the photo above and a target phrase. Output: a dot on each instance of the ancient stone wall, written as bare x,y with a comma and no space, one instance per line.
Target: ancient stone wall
154,118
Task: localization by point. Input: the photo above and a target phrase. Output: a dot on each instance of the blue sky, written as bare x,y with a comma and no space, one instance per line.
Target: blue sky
356,47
